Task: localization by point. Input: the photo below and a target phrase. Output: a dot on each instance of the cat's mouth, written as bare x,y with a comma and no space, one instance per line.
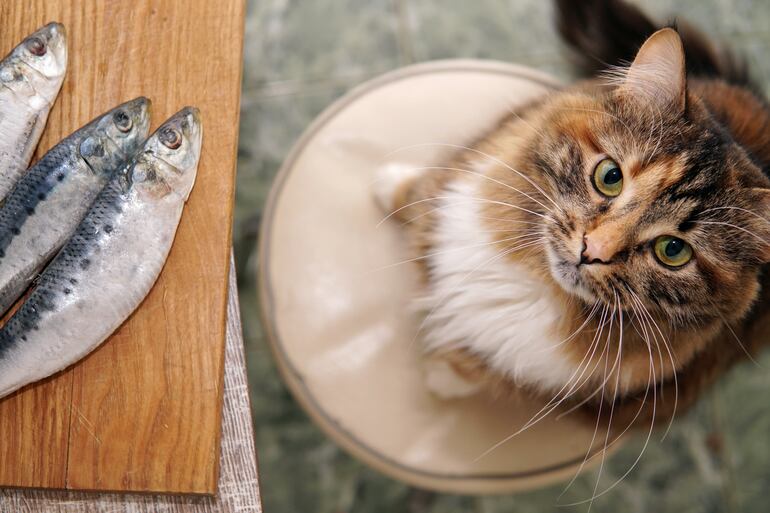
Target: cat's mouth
571,276
571,279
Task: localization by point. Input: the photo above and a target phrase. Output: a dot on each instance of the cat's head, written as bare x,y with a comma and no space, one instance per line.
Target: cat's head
653,200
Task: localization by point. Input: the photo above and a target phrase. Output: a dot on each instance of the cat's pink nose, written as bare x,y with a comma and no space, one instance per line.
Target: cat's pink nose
598,247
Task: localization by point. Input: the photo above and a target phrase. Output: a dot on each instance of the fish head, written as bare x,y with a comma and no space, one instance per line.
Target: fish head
168,163
35,68
116,136
45,50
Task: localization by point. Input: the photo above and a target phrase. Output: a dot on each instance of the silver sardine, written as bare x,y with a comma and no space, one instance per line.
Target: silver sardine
50,200
111,262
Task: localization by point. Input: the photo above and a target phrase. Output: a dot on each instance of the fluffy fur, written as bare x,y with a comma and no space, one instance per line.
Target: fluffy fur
473,294
502,232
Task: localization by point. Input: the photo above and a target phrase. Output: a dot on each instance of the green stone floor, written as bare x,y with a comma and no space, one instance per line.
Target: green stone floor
299,56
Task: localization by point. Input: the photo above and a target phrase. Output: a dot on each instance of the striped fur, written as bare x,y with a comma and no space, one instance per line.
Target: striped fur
689,133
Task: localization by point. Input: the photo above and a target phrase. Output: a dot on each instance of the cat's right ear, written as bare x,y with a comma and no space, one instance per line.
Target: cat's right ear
658,71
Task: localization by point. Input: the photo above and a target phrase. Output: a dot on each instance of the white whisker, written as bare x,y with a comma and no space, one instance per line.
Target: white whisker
494,159
747,211
572,382
459,203
481,175
733,226
459,248
470,198
670,355
730,328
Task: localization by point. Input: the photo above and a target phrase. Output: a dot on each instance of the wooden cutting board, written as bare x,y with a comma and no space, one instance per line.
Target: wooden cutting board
142,413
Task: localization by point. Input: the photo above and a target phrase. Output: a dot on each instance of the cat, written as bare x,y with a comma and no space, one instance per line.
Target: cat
603,247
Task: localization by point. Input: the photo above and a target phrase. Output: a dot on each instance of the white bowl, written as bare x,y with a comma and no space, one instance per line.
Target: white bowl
336,309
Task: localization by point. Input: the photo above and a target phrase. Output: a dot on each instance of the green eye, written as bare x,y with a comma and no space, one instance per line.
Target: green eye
608,178
672,251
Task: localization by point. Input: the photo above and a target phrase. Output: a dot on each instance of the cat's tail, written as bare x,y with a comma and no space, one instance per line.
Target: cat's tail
607,33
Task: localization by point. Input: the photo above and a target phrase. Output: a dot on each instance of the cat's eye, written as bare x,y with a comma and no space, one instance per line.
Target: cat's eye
608,178
672,251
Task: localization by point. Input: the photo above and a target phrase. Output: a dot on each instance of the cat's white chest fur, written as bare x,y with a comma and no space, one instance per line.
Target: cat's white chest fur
481,301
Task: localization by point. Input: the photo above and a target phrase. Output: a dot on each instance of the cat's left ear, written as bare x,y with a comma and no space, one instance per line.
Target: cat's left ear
658,71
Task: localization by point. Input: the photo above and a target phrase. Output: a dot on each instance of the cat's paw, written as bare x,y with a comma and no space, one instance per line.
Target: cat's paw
390,182
444,382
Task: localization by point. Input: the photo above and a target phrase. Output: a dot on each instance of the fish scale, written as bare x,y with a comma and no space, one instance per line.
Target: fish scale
37,184
110,263
49,201
59,280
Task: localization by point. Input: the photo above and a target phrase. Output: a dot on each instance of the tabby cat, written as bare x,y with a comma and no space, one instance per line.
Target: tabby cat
604,246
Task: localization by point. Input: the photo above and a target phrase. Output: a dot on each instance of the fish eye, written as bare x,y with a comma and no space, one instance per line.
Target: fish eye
36,46
672,251
139,174
608,178
122,121
170,138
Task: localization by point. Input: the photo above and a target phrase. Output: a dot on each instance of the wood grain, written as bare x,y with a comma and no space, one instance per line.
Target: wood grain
142,413
238,482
